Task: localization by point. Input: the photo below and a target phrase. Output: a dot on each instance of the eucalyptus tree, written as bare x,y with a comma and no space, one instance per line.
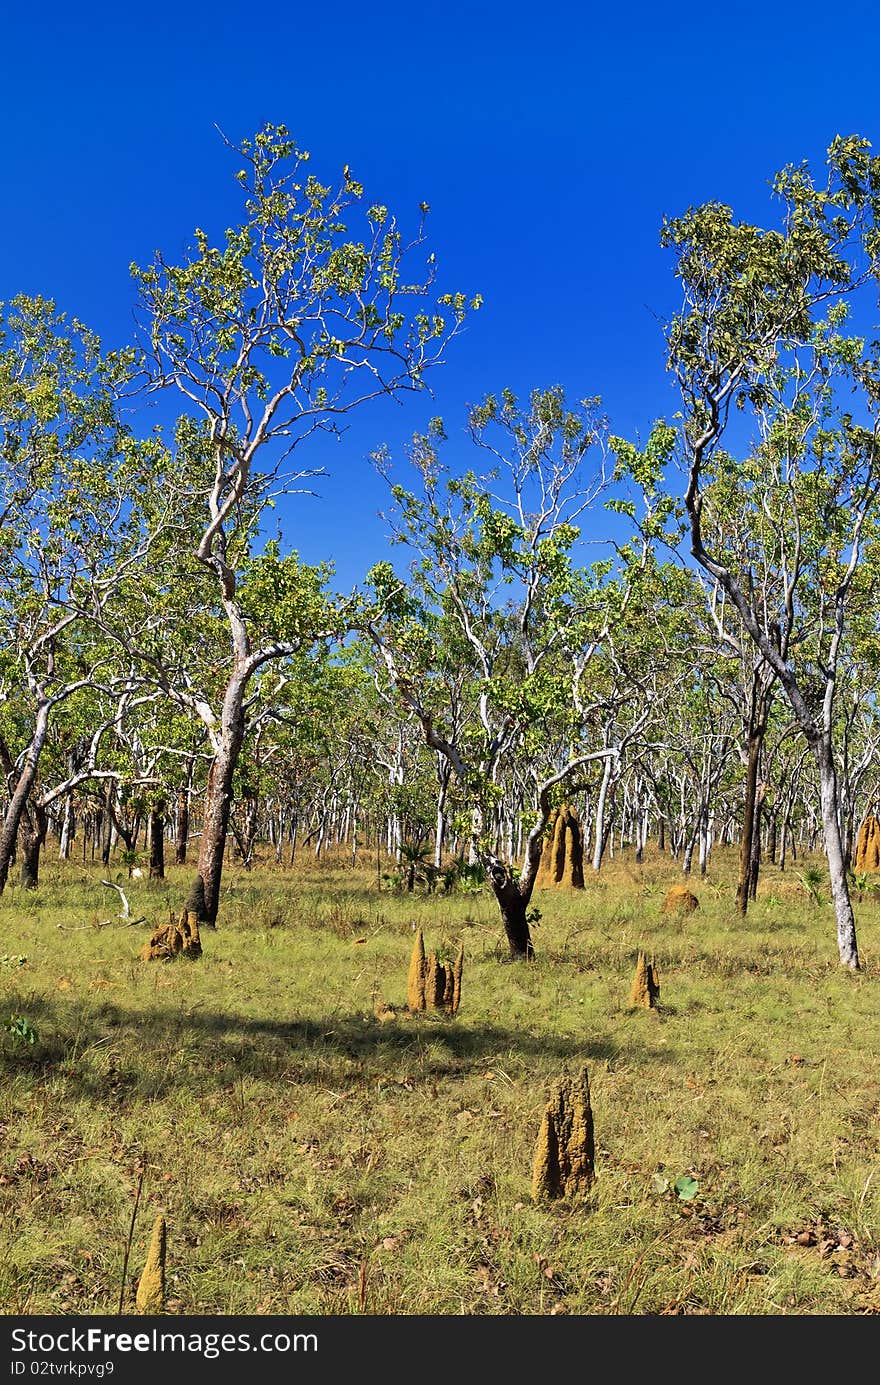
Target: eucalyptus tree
332,734
280,331
857,711
493,579
73,485
751,681
294,714
761,358
79,753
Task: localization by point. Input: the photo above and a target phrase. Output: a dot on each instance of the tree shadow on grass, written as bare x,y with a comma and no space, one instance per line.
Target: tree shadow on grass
111,1048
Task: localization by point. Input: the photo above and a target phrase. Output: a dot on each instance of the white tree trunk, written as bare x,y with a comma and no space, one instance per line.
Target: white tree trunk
599,822
846,927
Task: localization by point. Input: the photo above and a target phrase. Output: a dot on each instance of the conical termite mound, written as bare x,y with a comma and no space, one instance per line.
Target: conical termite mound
645,990
564,1160
415,982
150,1296
868,845
562,859
433,984
174,939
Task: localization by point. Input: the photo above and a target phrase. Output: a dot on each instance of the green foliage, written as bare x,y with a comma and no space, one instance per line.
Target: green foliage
811,879
865,882
464,877
286,600
686,1187
20,1030
284,316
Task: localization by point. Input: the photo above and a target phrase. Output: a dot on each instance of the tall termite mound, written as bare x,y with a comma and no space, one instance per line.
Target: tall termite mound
564,1159
151,1286
868,845
562,859
431,984
174,939
645,990
415,982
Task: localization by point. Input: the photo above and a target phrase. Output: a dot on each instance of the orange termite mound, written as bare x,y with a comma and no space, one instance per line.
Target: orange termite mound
432,984
564,1157
679,900
174,939
562,859
868,845
645,990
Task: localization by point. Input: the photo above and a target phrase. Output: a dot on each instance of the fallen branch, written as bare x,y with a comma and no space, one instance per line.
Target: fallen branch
126,911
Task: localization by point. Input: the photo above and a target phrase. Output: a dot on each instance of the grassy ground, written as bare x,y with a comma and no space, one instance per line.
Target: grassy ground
311,1159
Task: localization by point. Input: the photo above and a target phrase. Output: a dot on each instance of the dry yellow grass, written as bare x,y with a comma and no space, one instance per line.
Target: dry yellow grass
736,1123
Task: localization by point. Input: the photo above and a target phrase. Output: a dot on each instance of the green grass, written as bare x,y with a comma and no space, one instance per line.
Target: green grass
310,1159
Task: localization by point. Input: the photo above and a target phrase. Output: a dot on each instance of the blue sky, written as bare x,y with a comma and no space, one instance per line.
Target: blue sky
549,141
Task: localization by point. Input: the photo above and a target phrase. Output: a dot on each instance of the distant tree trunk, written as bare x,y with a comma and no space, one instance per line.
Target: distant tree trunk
705,840
771,837
755,860
181,827
444,775
756,741
107,824
600,829
157,839
68,826
783,841
688,858
182,813
24,780
124,833
354,832
249,835
760,702
641,834
31,836
294,828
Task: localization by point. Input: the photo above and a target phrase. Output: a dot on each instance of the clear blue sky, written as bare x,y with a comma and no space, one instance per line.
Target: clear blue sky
549,139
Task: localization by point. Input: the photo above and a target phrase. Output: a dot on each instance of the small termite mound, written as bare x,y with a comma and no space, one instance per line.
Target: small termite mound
645,990
431,984
150,1297
564,1159
415,982
679,900
868,845
562,859
174,939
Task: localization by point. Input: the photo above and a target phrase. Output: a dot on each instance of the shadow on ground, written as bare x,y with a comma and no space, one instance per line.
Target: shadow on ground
111,1049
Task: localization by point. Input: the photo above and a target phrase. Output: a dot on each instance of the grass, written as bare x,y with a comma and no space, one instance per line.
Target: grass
310,1159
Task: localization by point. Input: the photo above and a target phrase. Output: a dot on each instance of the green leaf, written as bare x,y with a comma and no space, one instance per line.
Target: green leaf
686,1187
20,1029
